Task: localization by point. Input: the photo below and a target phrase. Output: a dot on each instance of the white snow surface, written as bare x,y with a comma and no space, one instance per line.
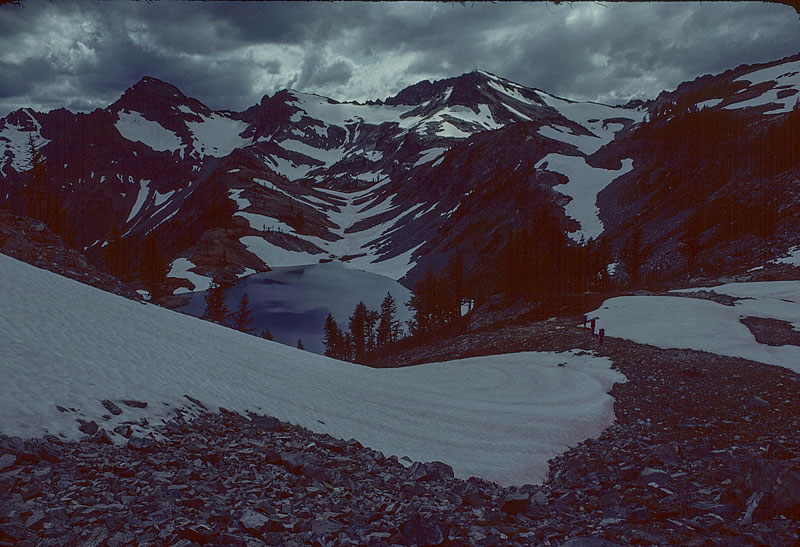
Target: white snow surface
585,182
15,139
430,155
342,114
786,75
217,135
236,195
180,270
498,417
682,322
263,222
793,258
144,190
275,256
710,103
136,128
327,157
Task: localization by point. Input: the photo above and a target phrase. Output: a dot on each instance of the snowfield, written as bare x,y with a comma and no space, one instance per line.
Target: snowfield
675,322
136,128
72,345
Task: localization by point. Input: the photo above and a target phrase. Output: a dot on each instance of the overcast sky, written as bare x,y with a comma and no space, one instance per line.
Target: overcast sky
83,55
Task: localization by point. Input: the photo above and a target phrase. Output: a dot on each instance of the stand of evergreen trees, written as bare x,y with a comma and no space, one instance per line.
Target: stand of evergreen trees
367,331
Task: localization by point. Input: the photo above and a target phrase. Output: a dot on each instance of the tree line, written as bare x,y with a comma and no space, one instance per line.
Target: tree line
367,331
240,319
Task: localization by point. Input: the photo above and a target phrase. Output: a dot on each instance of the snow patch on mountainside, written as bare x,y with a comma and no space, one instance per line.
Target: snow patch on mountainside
179,269
509,91
588,144
585,182
217,135
430,155
136,128
499,417
785,76
236,195
144,190
343,114
14,140
265,223
274,256
394,268
326,157
286,168
705,325
793,258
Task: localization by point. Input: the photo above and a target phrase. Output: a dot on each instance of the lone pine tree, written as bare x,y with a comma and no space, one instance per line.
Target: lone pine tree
243,315
215,302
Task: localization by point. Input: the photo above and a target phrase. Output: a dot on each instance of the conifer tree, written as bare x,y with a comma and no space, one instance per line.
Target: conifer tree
216,310
266,334
332,338
300,344
388,326
370,338
243,315
154,268
359,330
112,253
37,169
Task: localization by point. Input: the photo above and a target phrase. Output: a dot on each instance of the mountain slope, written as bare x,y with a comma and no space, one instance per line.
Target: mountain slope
441,170
70,346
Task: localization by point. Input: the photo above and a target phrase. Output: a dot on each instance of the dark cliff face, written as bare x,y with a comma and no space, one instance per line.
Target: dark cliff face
705,176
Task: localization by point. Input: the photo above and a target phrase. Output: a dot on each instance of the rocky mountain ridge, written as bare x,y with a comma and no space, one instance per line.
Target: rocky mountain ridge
441,170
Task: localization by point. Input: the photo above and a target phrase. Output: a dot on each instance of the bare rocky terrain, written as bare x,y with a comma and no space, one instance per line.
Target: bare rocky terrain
705,451
33,242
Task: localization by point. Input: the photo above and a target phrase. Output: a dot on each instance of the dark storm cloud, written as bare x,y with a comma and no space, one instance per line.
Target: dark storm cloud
228,55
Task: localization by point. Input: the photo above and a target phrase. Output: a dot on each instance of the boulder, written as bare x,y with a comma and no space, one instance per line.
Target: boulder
90,427
111,407
418,530
514,503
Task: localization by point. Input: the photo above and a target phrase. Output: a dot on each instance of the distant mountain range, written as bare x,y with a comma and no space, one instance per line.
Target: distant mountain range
705,177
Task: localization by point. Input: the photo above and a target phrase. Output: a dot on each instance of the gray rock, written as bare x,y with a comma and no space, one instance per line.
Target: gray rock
314,471
431,471
196,401
96,538
589,542
7,460
253,522
141,445
417,530
514,503
326,527
787,494
757,403
658,476
473,499
111,407
265,423
102,437
133,403
90,427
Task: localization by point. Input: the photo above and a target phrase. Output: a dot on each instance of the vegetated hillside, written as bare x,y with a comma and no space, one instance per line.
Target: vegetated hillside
523,193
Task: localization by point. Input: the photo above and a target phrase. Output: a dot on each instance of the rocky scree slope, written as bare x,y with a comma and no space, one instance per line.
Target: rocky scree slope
31,241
